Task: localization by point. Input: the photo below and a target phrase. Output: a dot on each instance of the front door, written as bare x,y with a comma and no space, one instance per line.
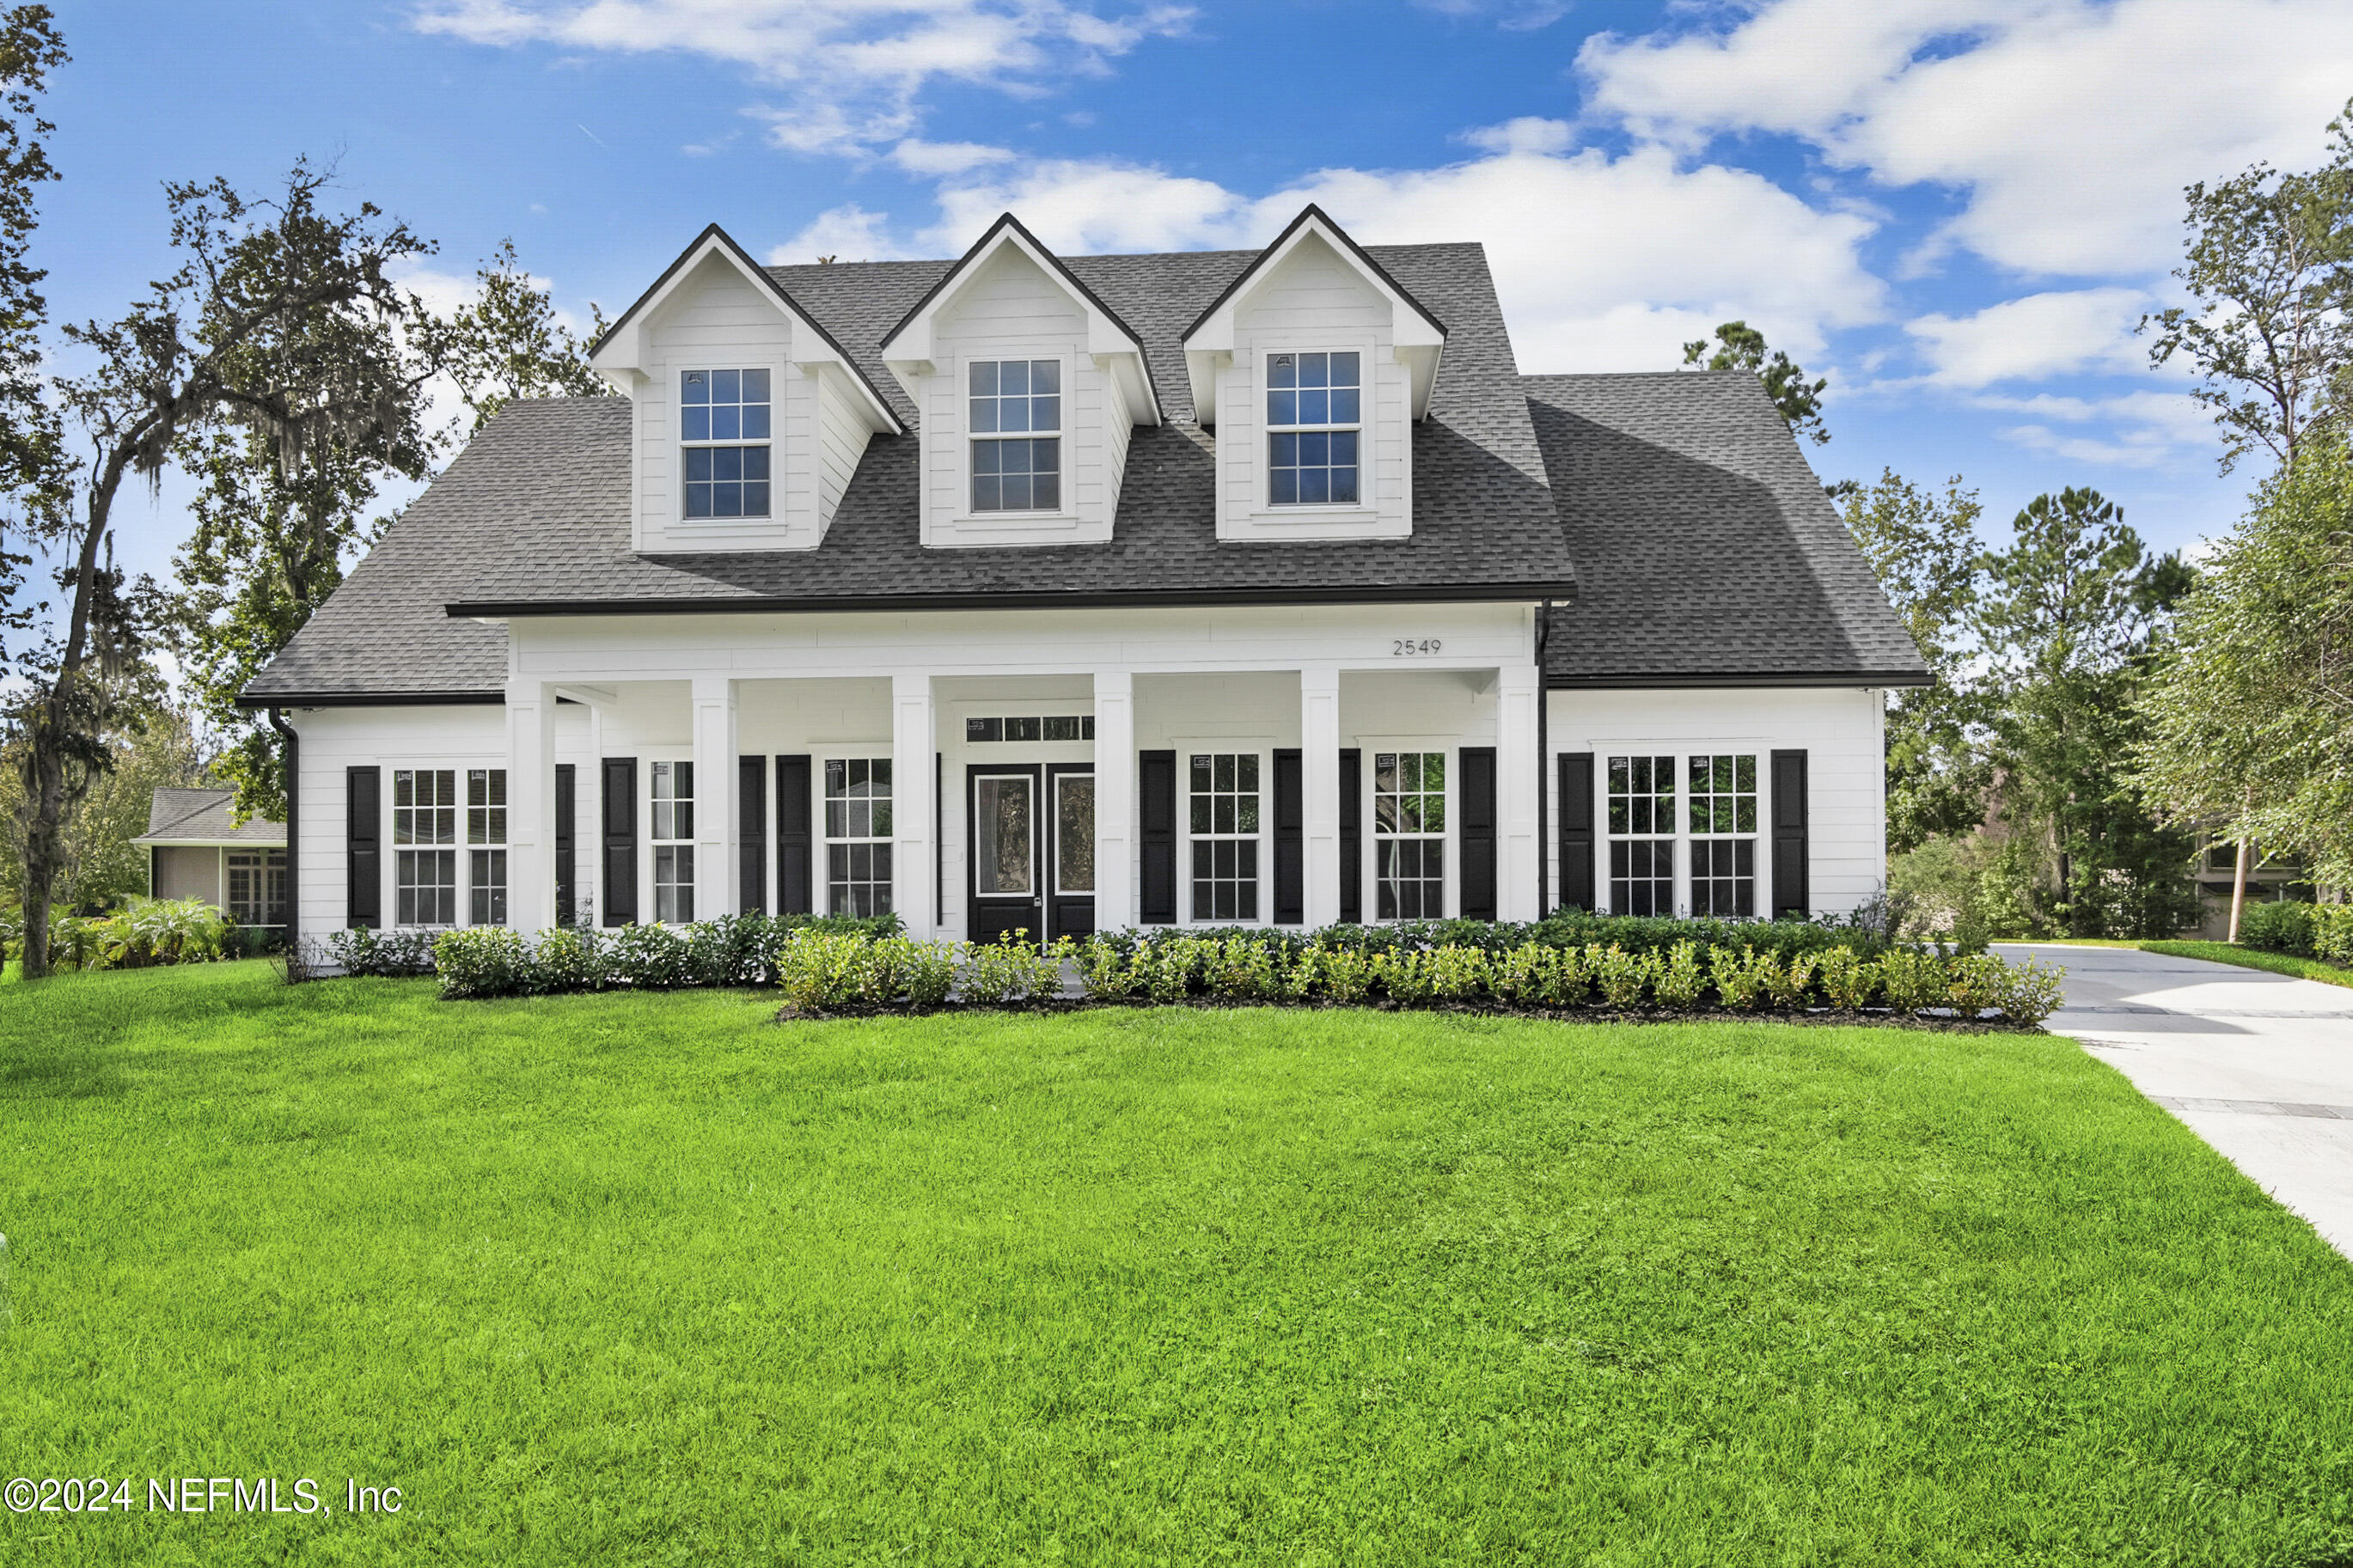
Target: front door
1071,876
1006,887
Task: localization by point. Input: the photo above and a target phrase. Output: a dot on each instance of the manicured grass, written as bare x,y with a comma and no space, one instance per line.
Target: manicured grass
2224,952
653,1279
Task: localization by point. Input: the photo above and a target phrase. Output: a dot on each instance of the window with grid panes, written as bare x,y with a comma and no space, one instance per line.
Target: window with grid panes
1015,465
486,823
1224,825
425,812
256,886
723,439
1410,835
1313,424
672,835
858,835
1642,835
1721,790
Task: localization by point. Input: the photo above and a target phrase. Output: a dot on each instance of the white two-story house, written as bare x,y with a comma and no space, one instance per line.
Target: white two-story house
1063,594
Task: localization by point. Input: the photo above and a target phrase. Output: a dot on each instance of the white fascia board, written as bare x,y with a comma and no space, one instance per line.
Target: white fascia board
621,358
909,353
1418,340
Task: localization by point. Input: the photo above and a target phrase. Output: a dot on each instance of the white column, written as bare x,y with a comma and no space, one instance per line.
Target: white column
1319,777
530,806
1114,800
915,857
714,796
1517,692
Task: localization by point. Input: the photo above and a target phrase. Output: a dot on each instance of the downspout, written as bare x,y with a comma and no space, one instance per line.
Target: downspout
1543,759
294,927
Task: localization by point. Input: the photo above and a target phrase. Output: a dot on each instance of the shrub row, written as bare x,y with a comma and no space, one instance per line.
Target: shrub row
842,966
2306,930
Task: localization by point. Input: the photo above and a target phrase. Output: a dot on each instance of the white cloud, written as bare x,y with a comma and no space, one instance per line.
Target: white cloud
2071,124
855,67
937,158
846,233
2136,430
2037,336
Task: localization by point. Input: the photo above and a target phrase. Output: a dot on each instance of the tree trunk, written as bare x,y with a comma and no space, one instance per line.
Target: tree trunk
2239,886
44,840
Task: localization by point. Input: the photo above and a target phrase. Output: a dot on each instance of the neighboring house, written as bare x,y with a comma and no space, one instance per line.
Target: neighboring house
2269,879
196,850
1025,591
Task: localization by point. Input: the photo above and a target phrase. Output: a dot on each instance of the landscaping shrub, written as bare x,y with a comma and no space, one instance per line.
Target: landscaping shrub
1912,980
1681,979
2332,933
2284,927
1622,975
2031,992
1973,985
382,952
484,960
1743,979
1849,980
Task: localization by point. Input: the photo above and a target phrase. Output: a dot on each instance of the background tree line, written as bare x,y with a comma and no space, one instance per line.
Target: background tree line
281,363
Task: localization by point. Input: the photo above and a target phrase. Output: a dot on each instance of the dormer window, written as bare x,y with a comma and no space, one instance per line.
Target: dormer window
1015,469
723,431
1312,425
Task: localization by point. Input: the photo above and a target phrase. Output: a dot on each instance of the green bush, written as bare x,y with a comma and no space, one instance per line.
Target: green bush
1681,977
2332,933
2029,993
2285,927
1912,980
1849,980
484,960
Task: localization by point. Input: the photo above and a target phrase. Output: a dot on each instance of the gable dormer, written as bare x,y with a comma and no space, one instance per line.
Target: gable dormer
748,418
1311,368
1028,387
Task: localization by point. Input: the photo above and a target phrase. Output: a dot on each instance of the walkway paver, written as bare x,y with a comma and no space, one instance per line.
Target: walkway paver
2260,1066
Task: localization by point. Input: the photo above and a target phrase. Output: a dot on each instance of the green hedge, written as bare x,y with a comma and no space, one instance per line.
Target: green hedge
2303,930
837,966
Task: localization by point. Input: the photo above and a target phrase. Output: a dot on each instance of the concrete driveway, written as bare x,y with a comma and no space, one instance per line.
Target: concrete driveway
2258,1065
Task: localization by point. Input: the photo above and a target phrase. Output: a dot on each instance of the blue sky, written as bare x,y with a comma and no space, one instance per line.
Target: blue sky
1956,209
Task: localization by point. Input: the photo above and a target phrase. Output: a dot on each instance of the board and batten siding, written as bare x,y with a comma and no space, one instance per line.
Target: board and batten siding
1315,300
1840,729
720,320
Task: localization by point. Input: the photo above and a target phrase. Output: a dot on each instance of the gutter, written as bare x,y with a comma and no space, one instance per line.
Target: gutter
1379,593
1544,765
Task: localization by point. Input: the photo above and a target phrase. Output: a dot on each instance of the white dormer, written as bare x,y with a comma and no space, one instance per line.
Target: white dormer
749,417
1312,367
1027,387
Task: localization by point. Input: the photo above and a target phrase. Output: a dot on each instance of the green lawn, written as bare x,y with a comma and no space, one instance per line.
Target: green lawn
653,1280
2225,952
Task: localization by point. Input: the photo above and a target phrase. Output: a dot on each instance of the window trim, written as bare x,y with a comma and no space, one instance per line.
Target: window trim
454,846
960,376
1259,430
1682,750
1269,429
1228,745
651,846
1757,838
1369,835
821,759
681,445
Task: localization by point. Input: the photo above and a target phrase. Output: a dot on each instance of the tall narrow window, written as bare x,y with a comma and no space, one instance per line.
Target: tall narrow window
425,812
1312,422
673,841
486,824
1015,467
1642,835
858,835
1225,835
1722,793
1410,835
722,418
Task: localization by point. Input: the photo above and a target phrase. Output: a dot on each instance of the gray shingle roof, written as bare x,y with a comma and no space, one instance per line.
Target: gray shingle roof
204,816
1706,549
1711,550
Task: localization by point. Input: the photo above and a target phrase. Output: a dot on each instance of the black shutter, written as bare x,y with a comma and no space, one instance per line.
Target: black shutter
1576,861
1351,838
1289,839
796,838
751,834
1792,890
1477,834
362,846
567,851
1156,781
617,888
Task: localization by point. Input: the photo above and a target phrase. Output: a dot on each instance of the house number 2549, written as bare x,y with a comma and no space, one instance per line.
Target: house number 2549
1406,647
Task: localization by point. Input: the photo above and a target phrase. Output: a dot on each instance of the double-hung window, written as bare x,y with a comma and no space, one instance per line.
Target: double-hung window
1410,835
1016,450
673,841
425,813
1643,836
724,437
1224,823
858,835
1723,795
486,824
1314,423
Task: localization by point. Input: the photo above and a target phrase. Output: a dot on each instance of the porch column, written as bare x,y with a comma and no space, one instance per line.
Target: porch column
1517,692
1319,777
1114,800
530,797
714,796
915,847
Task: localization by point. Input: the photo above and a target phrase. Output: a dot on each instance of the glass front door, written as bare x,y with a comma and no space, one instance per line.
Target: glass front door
1071,905
1006,891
